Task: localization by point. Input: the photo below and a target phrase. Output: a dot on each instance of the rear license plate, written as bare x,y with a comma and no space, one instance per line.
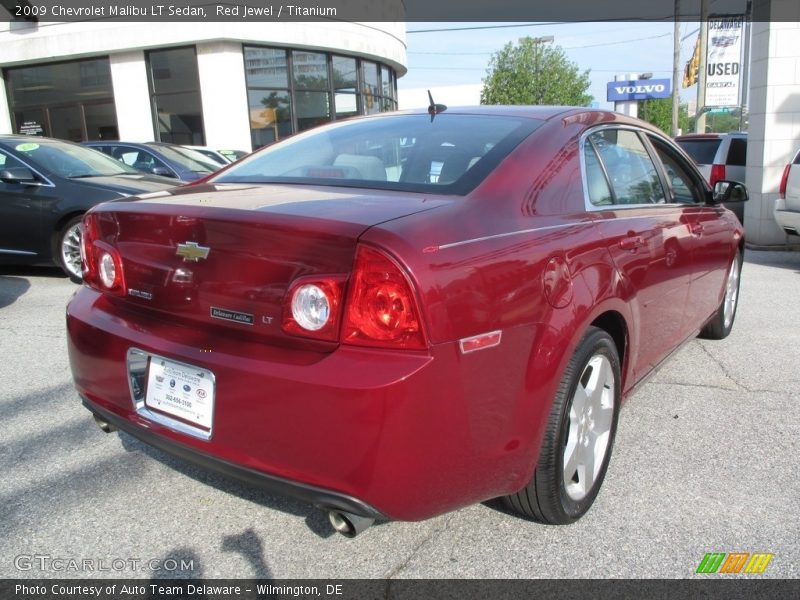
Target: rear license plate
181,391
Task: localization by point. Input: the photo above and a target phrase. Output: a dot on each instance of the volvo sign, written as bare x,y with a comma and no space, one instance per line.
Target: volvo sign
638,89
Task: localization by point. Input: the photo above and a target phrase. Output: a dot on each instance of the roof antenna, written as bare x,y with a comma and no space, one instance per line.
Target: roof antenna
434,109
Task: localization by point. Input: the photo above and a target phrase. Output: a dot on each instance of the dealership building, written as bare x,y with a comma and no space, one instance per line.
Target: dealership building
221,84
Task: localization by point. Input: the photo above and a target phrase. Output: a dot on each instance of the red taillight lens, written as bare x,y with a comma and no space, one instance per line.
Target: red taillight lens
312,307
101,262
784,181
717,174
381,309
88,237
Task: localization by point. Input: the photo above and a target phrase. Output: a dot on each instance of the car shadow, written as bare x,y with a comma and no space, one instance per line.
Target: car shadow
780,259
12,288
316,519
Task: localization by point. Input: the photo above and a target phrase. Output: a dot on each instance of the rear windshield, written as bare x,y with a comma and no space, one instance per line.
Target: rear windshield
451,154
702,151
737,153
189,159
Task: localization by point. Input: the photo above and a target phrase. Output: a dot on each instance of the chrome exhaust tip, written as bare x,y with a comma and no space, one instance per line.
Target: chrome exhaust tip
104,425
348,524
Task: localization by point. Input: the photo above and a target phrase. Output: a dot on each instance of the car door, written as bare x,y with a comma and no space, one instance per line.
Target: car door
646,237
21,234
710,226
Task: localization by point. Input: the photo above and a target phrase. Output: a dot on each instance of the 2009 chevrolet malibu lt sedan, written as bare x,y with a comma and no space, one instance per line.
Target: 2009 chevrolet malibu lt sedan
396,316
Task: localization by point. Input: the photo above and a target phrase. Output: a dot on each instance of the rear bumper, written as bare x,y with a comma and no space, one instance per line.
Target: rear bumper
308,493
397,435
787,219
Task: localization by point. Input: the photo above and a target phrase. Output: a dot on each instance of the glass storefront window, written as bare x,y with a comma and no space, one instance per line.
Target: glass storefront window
266,67
58,99
310,70
313,108
270,116
322,87
346,105
345,75
369,87
175,93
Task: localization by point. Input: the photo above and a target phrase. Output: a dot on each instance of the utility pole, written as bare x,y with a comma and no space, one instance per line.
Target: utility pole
676,60
700,119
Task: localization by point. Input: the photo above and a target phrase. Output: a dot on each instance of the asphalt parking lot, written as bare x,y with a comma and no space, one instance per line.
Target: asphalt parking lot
706,460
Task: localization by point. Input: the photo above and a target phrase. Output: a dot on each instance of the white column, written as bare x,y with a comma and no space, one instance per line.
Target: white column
132,96
5,115
224,93
631,107
774,122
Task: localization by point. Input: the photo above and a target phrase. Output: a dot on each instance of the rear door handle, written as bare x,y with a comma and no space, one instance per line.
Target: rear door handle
631,243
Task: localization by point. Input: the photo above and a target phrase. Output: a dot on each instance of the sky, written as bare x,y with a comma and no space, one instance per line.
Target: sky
460,57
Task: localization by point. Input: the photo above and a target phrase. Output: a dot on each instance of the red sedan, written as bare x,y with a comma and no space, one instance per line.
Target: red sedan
396,316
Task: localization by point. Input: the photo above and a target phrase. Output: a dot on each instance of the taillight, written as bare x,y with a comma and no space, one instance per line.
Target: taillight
101,262
88,237
381,310
312,307
717,174
784,180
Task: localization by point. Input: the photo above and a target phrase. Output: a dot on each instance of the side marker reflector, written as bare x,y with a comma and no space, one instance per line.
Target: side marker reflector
480,342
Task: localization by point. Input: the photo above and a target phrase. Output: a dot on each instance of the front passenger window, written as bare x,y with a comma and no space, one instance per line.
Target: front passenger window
684,188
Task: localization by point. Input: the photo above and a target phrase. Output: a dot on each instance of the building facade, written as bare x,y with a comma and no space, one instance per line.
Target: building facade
225,85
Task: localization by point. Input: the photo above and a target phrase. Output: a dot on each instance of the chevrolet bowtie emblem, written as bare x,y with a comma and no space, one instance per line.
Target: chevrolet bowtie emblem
192,251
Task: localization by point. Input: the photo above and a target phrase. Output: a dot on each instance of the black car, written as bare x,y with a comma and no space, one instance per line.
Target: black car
45,187
159,158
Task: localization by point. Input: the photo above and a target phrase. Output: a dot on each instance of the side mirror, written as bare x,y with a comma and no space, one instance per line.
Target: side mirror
18,175
163,172
729,191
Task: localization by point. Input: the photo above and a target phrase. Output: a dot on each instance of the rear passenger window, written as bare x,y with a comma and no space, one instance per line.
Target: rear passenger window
633,177
737,153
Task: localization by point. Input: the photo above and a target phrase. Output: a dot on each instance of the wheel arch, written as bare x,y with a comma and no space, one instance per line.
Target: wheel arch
614,324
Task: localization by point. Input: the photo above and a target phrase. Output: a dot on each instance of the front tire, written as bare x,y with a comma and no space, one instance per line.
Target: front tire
580,435
721,324
68,249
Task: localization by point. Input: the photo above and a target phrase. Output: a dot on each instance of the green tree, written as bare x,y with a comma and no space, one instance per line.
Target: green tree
532,72
659,113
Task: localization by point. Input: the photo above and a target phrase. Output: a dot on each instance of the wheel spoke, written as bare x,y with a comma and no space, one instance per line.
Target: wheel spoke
71,250
590,420
731,293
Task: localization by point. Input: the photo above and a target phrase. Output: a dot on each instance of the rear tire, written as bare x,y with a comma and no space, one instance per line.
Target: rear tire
579,437
721,324
67,249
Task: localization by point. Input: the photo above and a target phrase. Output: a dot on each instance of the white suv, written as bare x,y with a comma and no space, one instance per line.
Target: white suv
787,207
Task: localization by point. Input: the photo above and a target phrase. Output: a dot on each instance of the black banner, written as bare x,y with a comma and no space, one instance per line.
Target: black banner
730,588
382,10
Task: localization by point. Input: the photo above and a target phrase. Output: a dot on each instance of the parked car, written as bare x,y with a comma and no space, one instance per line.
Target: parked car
324,320
159,158
223,157
718,156
787,207
45,187
234,155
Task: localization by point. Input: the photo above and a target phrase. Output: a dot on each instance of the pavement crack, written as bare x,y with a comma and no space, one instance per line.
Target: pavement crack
724,370
436,532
